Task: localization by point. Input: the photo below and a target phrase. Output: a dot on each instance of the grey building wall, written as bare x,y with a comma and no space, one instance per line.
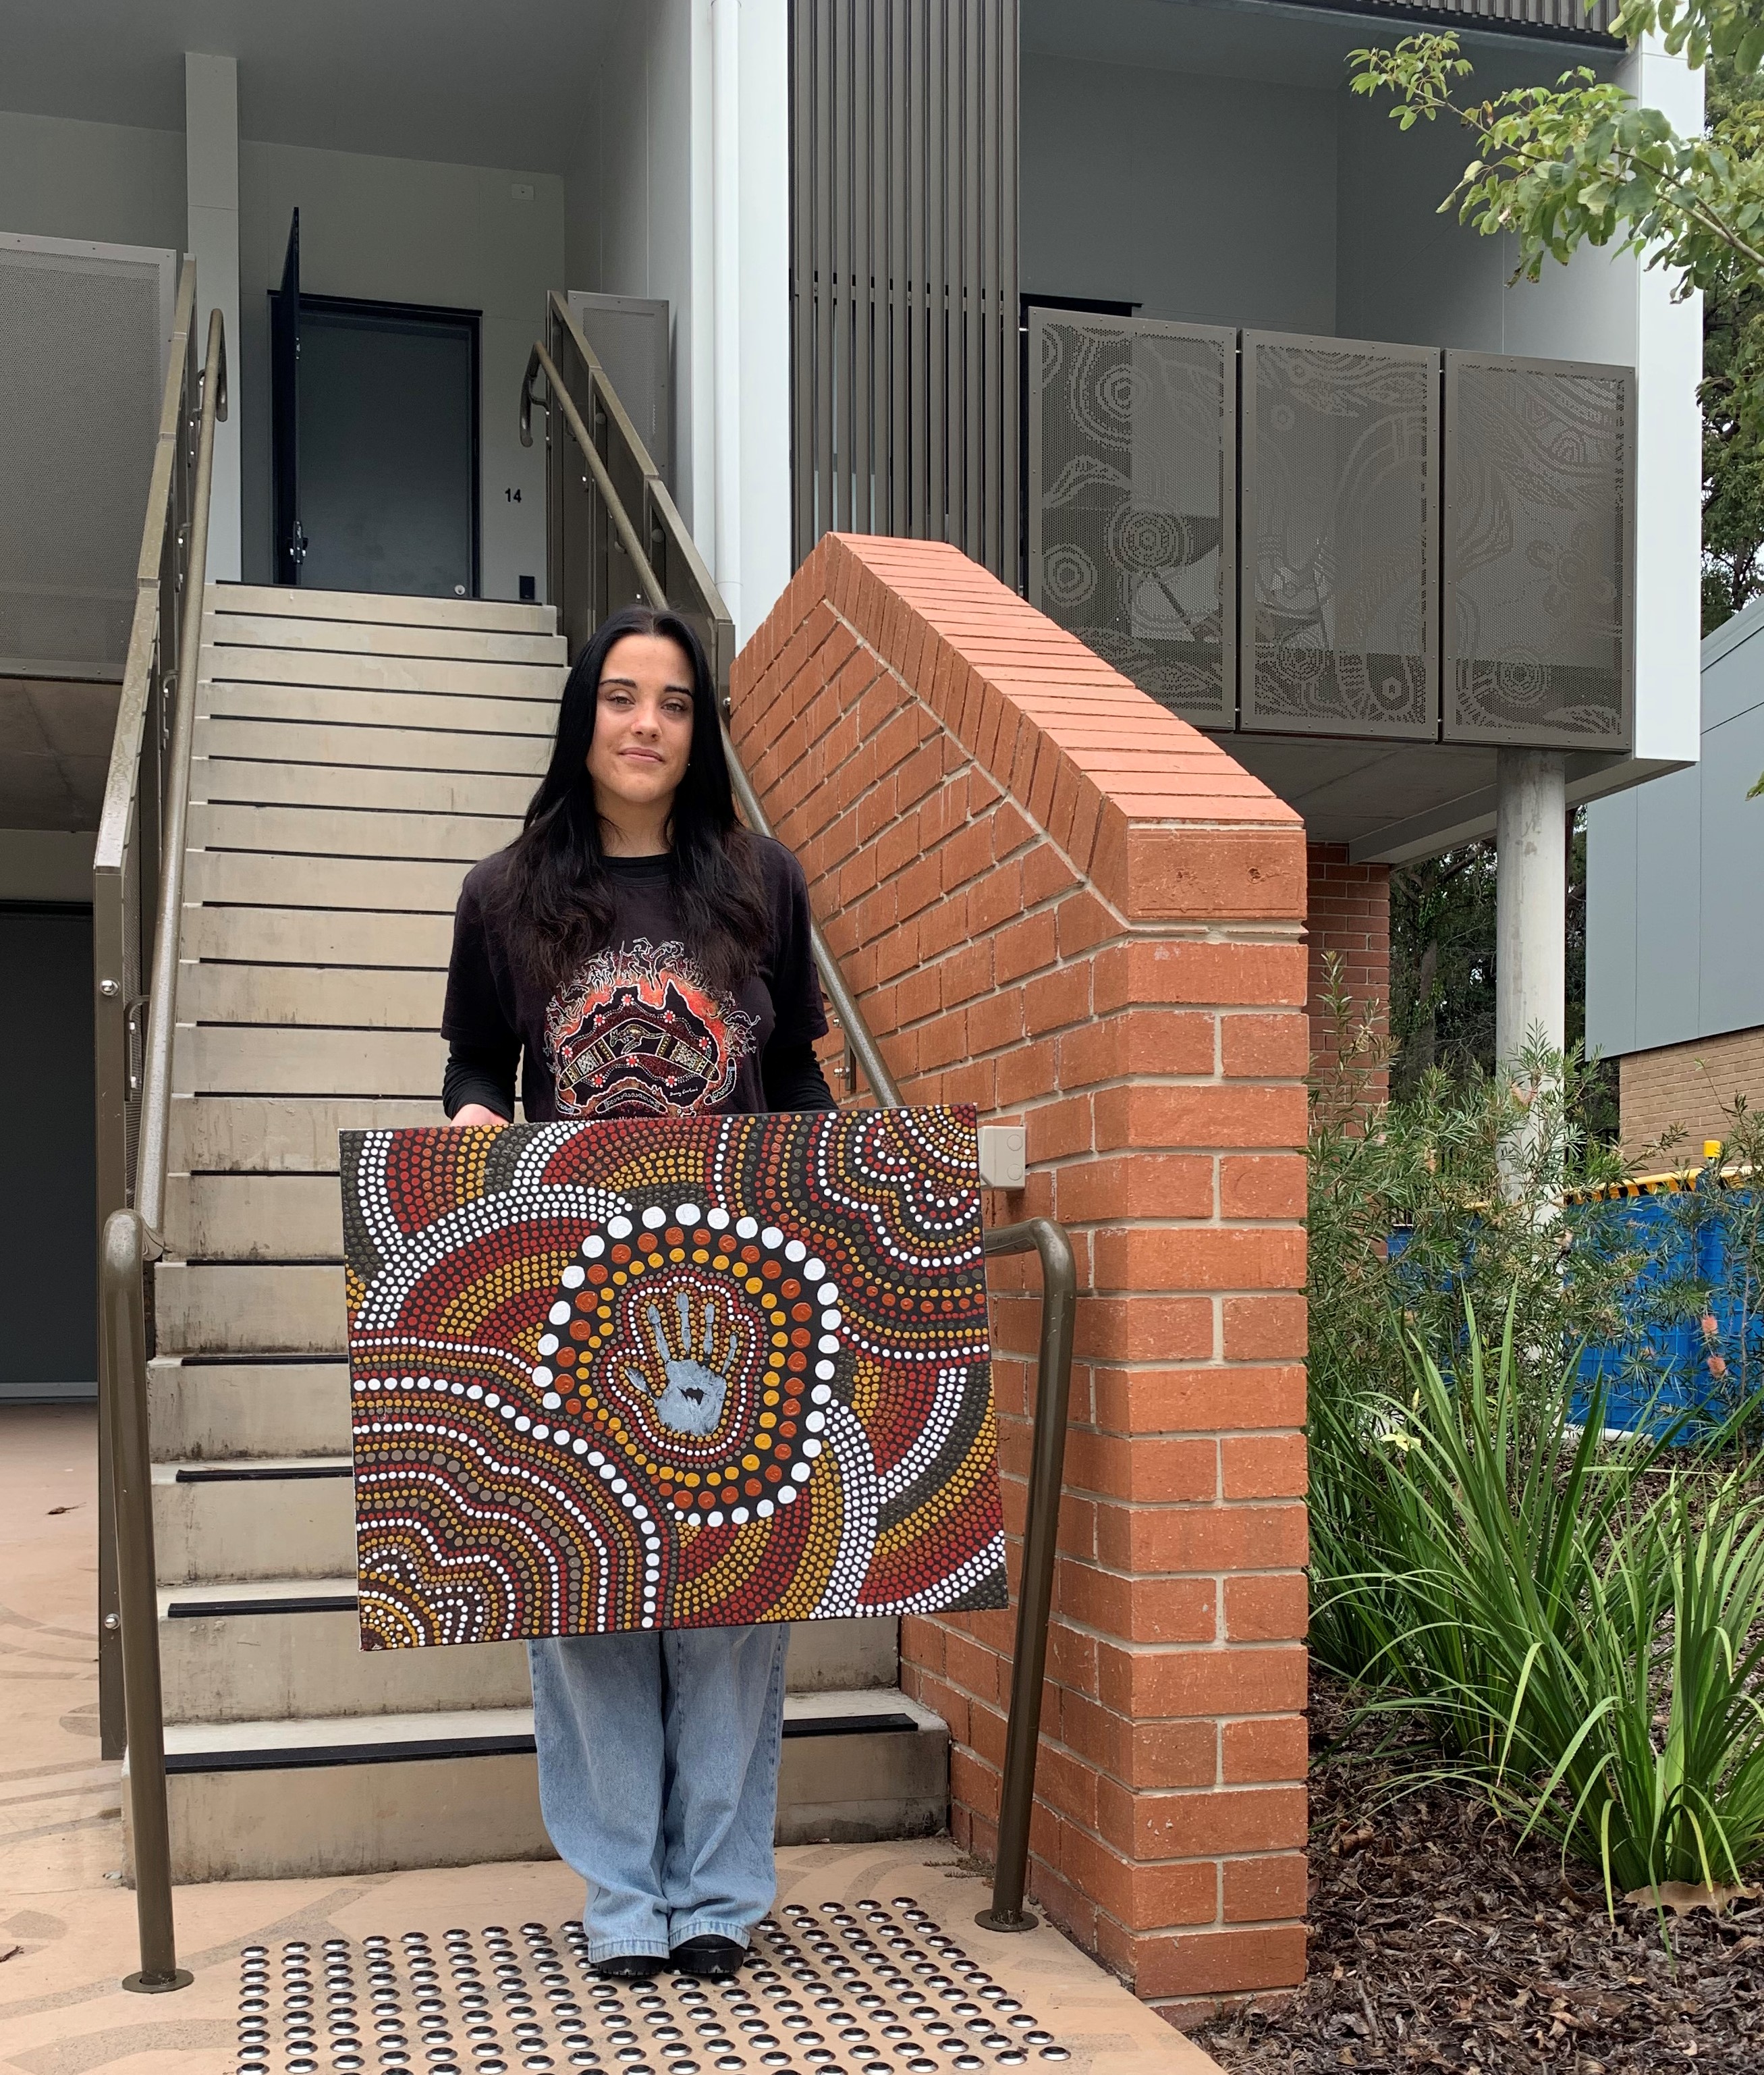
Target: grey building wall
1675,902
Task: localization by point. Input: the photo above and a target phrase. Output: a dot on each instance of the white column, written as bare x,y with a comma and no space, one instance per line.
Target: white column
766,546
725,240
1530,900
211,146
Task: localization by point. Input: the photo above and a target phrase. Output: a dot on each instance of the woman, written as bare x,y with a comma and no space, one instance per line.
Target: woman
640,954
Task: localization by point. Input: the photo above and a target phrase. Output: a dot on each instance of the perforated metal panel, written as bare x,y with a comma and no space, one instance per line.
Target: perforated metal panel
1340,528
1133,499
81,354
1539,575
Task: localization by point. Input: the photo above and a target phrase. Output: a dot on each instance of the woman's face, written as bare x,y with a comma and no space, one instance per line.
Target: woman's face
642,722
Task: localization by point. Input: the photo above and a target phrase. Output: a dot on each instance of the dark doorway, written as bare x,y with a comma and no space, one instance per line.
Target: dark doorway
285,410
376,443
48,1247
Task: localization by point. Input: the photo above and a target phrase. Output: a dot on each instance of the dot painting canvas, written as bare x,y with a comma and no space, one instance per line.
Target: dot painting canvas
673,1372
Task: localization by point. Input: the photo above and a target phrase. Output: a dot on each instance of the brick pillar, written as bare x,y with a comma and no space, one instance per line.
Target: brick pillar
1061,904
1348,912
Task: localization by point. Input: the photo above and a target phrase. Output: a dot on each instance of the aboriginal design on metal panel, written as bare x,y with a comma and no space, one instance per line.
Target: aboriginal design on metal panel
1340,519
874,1989
676,1373
1537,548
1132,501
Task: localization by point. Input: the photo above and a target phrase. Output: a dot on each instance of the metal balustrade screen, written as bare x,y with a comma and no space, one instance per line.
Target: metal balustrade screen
1340,527
1316,537
1132,500
1538,620
903,272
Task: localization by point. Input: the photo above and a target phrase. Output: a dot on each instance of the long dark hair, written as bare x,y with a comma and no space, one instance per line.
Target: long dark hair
557,891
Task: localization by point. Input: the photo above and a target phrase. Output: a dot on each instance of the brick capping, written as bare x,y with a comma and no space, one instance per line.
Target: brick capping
1060,902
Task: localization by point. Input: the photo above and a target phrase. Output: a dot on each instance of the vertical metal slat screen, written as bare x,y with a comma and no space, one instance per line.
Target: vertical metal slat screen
903,256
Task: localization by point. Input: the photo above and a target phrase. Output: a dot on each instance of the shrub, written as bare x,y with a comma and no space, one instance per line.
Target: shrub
1581,1624
1579,1619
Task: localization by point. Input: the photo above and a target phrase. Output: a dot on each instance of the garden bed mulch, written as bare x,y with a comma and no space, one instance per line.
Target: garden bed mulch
1435,1943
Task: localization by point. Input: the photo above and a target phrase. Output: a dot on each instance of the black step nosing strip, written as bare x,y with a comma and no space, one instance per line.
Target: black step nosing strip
257,1360
293,1472
312,1757
221,1609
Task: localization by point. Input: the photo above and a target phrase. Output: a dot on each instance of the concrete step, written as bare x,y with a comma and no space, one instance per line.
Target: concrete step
349,747
267,1517
342,707
248,1308
276,1799
254,1217
363,637
256,879
275,1135
228,1411
354,672
346,832
369,607
317,937
350,997
272,1649
238,1059
349,671
266,741
259,783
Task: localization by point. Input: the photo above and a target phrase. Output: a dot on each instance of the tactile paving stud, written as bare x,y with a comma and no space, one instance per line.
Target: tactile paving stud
873,1989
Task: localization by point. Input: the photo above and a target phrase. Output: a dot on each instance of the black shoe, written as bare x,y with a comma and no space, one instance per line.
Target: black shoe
711,1958
629,1967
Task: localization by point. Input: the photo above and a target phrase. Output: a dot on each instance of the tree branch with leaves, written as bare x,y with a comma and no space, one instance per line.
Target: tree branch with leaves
1582,162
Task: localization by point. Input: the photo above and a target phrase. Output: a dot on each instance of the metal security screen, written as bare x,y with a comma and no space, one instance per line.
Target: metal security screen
903,272
1539,569
1340,526
1133,497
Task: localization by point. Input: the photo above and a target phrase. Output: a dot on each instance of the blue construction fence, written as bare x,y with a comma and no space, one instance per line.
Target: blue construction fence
1691,1233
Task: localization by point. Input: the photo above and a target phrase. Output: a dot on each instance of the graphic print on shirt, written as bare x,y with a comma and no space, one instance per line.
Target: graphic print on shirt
640,1032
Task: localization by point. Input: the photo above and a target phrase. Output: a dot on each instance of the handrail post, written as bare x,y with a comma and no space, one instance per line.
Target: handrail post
120,1270
1040,1544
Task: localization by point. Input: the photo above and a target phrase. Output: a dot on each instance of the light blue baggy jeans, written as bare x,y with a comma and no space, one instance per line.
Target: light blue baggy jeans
658,1777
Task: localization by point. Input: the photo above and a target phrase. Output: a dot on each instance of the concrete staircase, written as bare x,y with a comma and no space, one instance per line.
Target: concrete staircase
354,754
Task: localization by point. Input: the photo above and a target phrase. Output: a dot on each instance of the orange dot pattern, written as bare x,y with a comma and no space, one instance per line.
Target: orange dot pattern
664,1372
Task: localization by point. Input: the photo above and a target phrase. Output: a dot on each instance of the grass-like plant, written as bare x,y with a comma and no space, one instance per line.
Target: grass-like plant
1581,1621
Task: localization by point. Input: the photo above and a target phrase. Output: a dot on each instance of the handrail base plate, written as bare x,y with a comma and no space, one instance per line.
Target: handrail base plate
158,1985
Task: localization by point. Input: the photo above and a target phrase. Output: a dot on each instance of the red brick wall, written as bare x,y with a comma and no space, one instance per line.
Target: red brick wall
1348,912
1061,904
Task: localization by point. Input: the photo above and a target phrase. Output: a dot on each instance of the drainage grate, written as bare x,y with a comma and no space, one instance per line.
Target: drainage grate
870,1990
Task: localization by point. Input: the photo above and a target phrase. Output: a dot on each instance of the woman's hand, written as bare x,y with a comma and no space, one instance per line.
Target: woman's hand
478,1113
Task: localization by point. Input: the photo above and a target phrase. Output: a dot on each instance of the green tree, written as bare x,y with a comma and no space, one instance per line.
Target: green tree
1582,162
1732,350
1442,975
1441,966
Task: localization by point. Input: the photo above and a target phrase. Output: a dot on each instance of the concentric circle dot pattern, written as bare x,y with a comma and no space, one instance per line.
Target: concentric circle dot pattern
867,1988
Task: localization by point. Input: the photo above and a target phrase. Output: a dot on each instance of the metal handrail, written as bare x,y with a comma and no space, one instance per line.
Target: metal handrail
171,580
1040,1236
